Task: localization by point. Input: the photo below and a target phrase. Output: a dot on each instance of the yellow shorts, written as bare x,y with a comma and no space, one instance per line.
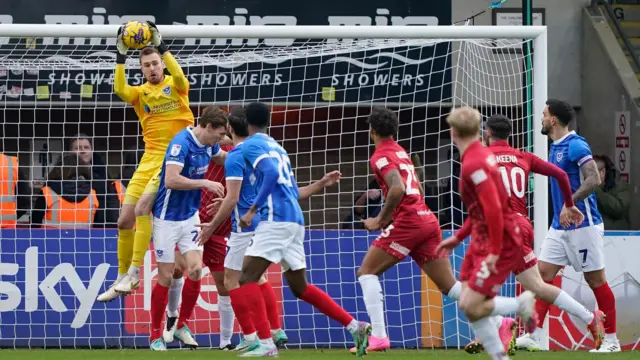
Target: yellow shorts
146,179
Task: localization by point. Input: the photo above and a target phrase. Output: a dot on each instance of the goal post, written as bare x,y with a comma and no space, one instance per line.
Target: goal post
321,81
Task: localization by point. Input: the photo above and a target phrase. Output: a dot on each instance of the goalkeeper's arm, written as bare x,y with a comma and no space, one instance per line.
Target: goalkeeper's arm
126,92
179,80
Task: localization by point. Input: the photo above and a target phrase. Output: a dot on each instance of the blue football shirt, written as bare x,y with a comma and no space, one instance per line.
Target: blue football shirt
282,204
237,168
184,150
570,153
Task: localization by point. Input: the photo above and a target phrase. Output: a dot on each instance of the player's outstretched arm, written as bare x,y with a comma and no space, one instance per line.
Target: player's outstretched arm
394,196
179,80
546,168
174,181
229,202
329,179
126,92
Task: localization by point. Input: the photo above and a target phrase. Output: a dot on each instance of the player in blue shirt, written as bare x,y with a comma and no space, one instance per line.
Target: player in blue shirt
176,214
581,246
241,194
279,235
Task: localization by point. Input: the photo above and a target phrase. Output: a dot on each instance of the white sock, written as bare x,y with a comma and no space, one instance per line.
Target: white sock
353,326
611,338
455,290
504,305
537,334
227,317
134,272
268,342
497,320
570,305
488,335
175,293
251,337
372,291
120,276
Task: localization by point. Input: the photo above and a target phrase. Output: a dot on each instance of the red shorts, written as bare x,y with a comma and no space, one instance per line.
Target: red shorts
475,272
418,241
214,252
529,259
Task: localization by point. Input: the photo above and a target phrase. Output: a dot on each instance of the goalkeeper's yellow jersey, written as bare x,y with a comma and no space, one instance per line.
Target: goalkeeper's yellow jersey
163,109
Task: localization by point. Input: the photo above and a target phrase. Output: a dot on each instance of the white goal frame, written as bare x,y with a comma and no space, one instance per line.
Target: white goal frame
538,35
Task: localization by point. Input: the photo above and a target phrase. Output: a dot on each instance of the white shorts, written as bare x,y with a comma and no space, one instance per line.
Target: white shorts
169,234
236,247
581,248
279,242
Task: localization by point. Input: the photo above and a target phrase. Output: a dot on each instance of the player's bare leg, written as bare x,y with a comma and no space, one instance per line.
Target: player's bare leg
597,281
227,317
175,293
131,280
159,299
190,294
375,263
478,309
126,221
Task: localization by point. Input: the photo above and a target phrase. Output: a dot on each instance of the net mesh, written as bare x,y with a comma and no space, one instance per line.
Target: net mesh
321,92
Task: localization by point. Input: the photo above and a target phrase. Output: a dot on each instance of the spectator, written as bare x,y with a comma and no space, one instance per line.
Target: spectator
107,196
67,199
15,192
613,196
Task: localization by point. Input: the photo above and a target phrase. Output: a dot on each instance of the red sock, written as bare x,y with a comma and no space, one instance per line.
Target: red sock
542,308
242,311
323,302
273,312
159,299
607,303
251,293
190,294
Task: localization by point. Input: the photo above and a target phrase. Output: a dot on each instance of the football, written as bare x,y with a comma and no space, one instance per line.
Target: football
136,34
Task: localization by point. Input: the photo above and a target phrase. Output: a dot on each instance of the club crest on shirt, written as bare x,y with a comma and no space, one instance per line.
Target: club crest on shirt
559,157
175,149
209,151
167,90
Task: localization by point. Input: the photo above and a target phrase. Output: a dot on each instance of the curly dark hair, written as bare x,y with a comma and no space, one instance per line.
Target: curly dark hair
500,126
562,110
610,172
383,121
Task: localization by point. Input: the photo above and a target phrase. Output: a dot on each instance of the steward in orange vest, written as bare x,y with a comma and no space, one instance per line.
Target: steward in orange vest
69,202
8,198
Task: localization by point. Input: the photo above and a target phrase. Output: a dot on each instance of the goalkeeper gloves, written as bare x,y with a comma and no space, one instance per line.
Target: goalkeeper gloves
121,57
156,38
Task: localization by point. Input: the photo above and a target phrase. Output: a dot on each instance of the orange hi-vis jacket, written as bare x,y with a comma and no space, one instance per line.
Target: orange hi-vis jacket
8,181
120,190
62,213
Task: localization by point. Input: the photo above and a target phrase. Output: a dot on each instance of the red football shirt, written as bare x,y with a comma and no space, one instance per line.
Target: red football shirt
215,173
515,165
485,197
389,155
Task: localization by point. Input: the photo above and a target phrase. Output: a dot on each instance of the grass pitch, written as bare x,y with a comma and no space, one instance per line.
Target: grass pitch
54,354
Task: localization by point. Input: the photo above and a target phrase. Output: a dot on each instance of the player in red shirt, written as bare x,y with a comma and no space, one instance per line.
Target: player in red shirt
515,166
496,245
415,230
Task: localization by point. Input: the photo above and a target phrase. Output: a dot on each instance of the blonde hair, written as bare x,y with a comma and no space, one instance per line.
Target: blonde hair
466,121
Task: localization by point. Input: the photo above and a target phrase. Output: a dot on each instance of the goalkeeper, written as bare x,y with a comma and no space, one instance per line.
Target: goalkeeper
162,106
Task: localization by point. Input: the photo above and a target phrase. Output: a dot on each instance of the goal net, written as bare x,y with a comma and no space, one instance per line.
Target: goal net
56,82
